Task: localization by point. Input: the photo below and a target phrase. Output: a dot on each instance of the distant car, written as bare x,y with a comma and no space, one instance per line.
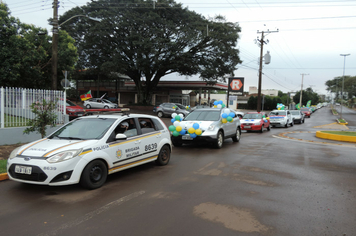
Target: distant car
98,103
281,118
298,116
210,123
89,148
73,110
167,109
254,121
239,114
306,111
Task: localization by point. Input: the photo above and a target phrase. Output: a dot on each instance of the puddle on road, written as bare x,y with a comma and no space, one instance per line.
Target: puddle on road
231,217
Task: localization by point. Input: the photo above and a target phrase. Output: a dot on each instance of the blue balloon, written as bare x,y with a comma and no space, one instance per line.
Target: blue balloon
193,135
265,121
232,114
173,120
220,102
182,132
216,103
196,126
224,115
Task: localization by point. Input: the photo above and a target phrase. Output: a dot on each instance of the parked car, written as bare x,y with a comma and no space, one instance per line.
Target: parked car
255,121
89,148
306,111
281,118
98,103
73,110
210,123
298,116
167,109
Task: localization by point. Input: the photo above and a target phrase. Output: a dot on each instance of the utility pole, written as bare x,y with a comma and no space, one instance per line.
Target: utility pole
261,42
301,91
343,75
55,45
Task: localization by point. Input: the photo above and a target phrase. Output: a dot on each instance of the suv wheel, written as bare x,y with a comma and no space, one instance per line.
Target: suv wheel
88,106
261,131
237,136
160,114
269,127
292,123
219,140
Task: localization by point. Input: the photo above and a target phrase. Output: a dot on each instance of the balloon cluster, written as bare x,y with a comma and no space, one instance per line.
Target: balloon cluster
280,106
265,119
187,108
227,116
177,129
219,104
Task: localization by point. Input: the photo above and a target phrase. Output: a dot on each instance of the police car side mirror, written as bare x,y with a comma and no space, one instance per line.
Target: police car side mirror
120,137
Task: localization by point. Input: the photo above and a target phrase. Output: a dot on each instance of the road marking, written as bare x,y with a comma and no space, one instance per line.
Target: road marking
92,214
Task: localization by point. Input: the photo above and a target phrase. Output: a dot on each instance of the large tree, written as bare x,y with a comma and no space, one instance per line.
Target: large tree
307,95
26,51
335,86
146,43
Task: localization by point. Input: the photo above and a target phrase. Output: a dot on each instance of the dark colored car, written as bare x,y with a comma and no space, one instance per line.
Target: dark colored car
167,109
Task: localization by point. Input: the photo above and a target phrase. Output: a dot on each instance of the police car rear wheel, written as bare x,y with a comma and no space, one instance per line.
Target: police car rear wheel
163,156
94,175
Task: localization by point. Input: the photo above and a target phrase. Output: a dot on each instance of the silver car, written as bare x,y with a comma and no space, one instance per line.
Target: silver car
281,118
298,116
211,125
98,103
167,109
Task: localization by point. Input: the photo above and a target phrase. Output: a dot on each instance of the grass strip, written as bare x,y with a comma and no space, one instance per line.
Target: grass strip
3,166
346,133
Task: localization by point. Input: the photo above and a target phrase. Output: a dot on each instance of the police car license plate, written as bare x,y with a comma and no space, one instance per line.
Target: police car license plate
23,169
187,137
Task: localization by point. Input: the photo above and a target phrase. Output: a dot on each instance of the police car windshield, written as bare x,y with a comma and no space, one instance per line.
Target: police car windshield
83,129
207,115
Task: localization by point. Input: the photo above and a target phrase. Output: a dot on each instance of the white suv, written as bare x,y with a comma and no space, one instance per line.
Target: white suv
210,122
281,118
89,148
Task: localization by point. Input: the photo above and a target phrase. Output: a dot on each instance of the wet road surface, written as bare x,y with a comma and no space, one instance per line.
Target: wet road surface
263,185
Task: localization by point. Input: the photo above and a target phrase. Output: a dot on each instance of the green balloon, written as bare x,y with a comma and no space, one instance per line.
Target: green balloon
223,105
177,118
229,118
172,128
175,133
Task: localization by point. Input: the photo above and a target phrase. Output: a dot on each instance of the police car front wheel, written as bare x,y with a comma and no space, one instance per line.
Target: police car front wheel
94,175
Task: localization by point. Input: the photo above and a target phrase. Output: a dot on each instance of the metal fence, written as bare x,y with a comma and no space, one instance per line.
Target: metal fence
15,105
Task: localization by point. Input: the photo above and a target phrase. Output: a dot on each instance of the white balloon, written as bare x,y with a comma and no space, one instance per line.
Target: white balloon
176,123
219,105
174,115
181,116
227,111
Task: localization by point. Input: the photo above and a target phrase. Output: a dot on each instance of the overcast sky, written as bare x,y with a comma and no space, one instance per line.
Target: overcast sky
311,36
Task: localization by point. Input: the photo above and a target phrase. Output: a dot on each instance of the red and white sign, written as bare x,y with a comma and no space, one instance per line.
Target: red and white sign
236,84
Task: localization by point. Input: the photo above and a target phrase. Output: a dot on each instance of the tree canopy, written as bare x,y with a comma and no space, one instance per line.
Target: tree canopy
335,86
307,94
147,43
26,51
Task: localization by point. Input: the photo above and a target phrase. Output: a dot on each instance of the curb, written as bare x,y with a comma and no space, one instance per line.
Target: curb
337,137
4,176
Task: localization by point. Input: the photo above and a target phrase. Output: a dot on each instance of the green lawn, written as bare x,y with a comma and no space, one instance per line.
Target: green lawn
15,121
3,166
347,133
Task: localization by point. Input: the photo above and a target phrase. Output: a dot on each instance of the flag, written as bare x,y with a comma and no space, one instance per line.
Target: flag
86,96
309,103
298,106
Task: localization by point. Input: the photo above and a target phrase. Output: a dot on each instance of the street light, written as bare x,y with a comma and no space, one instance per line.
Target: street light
55,45
343,75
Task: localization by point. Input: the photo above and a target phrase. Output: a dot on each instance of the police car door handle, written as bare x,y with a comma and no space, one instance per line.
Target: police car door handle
138,141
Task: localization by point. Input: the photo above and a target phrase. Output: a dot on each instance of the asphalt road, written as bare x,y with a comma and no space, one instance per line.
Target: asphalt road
262,185
349,115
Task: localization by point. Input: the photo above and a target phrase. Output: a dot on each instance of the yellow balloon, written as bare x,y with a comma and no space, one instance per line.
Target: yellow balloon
267,118
279,108
224,120
179,128
215,106
191,130
198,131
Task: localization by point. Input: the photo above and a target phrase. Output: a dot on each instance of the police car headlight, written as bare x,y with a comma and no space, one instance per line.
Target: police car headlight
63,156
14,153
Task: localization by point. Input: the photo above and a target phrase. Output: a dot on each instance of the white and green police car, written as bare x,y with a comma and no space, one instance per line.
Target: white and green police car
89,148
